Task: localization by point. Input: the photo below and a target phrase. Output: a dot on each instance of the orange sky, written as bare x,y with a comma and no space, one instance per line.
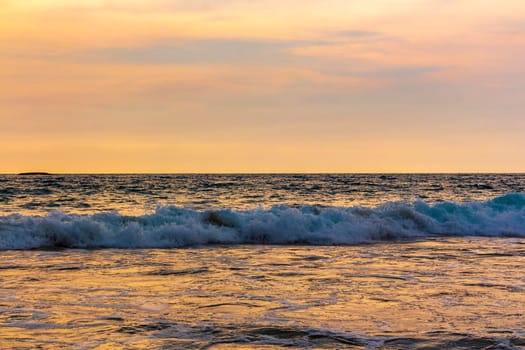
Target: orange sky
262,86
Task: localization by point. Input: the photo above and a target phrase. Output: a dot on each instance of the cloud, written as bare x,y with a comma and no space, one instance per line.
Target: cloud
398,72
169,5
321,54
357,34
203,51
132,6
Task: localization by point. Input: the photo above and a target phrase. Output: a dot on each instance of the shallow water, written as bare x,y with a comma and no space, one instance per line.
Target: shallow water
440,293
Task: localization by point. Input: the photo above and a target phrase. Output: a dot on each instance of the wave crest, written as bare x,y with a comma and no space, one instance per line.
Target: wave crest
171,227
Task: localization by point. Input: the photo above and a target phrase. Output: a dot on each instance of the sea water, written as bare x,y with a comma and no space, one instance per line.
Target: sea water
262,261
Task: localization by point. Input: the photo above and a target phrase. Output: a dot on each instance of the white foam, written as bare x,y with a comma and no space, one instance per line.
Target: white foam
171,226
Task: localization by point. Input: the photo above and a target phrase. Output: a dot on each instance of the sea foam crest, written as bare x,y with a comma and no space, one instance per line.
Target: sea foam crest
171,227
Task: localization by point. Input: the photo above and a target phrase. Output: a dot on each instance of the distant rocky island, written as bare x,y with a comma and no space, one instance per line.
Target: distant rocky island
34,173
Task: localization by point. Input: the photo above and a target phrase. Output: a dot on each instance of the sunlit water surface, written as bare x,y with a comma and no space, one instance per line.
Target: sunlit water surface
136,194
421,280
446,293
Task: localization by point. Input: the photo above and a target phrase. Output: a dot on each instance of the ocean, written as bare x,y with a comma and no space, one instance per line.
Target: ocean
262,261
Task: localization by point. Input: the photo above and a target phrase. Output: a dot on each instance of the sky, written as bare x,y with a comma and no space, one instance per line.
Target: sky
176,86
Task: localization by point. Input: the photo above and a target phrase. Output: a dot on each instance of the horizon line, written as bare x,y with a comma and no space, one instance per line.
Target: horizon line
275,173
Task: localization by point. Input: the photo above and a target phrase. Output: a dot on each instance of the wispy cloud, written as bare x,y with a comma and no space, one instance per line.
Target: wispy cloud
208,51
353,34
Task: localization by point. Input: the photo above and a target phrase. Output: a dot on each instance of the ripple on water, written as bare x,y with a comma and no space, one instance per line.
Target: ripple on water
376,296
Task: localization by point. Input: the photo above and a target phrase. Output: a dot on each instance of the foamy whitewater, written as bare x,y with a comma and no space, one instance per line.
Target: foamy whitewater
169,211
171,227
395,261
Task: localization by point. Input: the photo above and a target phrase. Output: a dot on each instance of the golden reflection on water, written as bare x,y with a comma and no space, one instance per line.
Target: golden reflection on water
136,194
261,297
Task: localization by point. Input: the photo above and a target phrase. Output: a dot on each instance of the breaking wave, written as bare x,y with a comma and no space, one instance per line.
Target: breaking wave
171,227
